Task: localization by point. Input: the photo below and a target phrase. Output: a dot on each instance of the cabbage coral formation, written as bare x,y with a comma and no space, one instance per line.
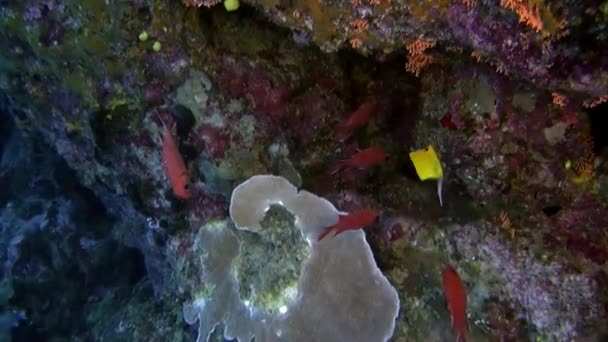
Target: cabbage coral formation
340,294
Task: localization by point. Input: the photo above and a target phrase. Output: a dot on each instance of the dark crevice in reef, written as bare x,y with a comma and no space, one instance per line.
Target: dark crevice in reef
383,77
60,261
6,126
599,127
552,210
215,19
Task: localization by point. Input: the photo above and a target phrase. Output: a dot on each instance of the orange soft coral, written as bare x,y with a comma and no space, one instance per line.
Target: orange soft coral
528,15
417,58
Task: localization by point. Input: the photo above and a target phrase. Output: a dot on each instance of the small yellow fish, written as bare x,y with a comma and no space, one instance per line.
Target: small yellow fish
428,166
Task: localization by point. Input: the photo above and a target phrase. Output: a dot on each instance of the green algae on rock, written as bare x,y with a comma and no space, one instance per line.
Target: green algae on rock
271,261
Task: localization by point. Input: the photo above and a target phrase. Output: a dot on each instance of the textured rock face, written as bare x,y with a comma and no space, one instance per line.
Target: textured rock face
538,41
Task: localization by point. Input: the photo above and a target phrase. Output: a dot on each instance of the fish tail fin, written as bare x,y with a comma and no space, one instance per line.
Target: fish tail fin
325,232
461,338
338,167
160,118
344,135
164,129
164,124
343,132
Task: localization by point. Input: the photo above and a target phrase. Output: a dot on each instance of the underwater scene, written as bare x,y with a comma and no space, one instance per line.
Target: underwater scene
303,170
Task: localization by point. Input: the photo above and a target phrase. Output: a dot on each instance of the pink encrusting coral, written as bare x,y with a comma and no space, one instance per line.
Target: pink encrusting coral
398,227
313,111
213,141
559,301
268,96
578,230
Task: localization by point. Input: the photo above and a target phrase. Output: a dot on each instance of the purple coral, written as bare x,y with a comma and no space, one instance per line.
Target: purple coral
578,229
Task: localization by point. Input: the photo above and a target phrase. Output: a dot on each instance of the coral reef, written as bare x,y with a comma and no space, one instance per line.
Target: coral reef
511,94
336,279
538,41
59,254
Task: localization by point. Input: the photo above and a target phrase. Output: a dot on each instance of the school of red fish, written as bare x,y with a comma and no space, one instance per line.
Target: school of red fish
454,290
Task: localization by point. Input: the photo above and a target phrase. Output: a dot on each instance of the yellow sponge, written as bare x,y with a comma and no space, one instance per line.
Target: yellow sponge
231,5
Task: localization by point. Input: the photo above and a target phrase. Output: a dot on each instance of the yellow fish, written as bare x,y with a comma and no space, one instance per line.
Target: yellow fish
428,166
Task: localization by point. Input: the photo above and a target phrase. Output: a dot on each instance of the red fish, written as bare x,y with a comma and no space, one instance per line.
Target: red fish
175,168
357,119
362,160
456,297
447,122
356,220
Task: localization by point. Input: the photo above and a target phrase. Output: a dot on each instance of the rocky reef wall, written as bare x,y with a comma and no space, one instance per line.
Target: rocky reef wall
504,90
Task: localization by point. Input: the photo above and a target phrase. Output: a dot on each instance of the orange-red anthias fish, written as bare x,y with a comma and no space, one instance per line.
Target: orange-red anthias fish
356,220
362,160
358,118
175,168
456,297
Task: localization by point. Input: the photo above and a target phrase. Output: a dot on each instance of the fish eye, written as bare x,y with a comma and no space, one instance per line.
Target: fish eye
187,186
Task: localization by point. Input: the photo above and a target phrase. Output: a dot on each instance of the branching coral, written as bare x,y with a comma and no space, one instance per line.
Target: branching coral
556,300
417,58
530,15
